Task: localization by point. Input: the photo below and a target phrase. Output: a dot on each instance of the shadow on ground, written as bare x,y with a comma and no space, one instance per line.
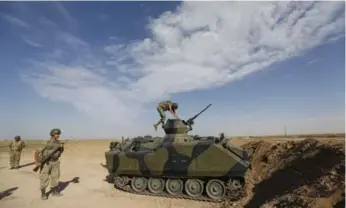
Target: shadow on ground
63,185
7,192
25,165
305,173
340,203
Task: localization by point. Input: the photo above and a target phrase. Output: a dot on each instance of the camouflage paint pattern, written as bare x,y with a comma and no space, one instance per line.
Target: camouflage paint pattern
190,159
51,170
162,115
161,108
212,163
16,148
164,105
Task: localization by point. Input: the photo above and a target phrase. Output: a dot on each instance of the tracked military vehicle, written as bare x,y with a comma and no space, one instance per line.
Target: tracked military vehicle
178,165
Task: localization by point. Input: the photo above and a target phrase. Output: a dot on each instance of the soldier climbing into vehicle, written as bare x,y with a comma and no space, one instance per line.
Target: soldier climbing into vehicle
165,106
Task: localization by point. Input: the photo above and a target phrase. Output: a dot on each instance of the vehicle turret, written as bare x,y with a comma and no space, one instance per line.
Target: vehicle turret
176,129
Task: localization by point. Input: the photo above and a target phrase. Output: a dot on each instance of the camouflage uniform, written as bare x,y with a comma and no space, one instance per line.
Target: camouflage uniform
161,108
16,148
50,170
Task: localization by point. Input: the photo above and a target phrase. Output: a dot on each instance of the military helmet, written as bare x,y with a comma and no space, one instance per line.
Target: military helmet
17,137
55,131
175,105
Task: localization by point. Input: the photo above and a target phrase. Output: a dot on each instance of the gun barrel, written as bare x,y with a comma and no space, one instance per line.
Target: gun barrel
190,122
205,109
193,118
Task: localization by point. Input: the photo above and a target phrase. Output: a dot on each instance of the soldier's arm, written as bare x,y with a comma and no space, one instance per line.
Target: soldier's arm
38,152
23,144
62,148
172,111
10,145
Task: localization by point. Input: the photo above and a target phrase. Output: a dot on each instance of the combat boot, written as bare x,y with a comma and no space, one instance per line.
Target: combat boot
55,192
43,194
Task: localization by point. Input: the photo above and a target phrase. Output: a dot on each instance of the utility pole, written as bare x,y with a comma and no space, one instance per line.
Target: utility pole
285,130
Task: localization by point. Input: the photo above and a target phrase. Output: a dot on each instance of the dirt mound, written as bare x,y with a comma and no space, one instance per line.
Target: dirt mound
308,173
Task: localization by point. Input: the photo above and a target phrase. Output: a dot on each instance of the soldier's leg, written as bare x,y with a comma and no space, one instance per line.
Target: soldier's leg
44,180
16,159
162,117
11,160
54,178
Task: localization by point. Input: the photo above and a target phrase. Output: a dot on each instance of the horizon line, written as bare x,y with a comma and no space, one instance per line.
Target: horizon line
319,135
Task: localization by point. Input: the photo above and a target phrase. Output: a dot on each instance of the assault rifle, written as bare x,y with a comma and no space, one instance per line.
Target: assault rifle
44,160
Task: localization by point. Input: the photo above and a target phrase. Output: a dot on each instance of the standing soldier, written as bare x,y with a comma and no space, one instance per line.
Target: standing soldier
166,106
16,148
50,170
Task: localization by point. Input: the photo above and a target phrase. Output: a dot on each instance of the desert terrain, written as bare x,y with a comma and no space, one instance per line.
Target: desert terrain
287,171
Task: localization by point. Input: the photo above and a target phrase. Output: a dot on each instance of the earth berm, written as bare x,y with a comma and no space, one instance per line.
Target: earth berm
308,173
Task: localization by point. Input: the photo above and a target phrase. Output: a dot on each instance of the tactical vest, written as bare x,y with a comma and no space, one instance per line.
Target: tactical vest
49,147
16,146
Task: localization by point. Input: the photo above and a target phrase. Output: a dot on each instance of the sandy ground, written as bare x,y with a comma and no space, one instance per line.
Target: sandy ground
82,160
83,185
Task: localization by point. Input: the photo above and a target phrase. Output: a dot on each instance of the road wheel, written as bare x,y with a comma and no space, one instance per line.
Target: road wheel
194,187
215,189
156,185
139,184
174,186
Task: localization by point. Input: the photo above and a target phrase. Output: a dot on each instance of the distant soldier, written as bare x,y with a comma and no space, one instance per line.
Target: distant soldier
50,170
16,148
166,106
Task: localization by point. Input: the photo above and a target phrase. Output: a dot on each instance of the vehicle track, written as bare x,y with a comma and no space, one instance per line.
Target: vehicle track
231,195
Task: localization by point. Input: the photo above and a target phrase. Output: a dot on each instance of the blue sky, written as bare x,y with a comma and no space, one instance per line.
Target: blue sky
98,70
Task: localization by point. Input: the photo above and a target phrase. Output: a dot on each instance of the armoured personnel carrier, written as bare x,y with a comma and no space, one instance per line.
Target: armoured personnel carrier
178,165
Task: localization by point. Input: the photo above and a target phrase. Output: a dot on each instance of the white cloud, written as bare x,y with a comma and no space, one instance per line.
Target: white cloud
70,40
312,61
16,21
201,45
31,42
65,14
